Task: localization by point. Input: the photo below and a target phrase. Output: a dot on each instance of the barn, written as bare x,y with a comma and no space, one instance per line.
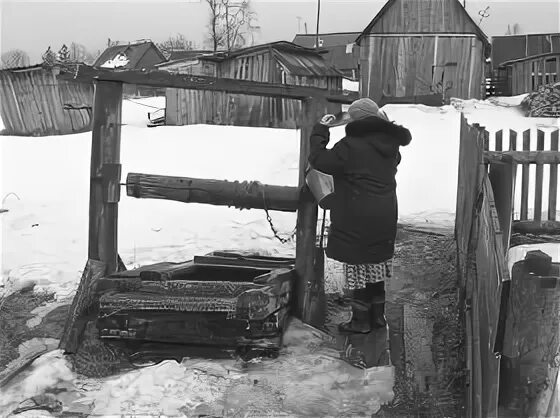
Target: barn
277,62
419,49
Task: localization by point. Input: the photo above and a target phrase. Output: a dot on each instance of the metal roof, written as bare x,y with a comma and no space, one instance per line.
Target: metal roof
296,59
329,39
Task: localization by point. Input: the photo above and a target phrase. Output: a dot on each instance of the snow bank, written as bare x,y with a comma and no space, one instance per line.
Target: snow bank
350,85
45,231
501,113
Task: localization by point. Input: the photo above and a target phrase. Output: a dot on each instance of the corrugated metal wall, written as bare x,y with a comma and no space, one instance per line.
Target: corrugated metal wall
188,107
34,103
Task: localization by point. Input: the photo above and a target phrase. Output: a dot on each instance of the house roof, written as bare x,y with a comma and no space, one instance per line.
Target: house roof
329,39
390,3
134,52
185,54
531,57
296,59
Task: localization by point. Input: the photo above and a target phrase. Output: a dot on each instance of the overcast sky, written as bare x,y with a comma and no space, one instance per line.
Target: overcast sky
35,25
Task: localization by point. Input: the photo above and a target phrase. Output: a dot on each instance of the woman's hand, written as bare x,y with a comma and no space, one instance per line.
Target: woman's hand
325,120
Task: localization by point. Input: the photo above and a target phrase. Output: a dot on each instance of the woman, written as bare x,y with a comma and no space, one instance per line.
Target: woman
364,211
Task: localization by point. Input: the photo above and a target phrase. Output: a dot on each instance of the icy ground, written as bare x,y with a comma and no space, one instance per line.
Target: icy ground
45,188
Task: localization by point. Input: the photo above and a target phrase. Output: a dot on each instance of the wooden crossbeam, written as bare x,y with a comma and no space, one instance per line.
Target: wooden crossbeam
158,78
523,157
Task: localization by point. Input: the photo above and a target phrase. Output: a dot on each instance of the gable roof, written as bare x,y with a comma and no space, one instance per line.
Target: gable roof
134,52
295,59
390,3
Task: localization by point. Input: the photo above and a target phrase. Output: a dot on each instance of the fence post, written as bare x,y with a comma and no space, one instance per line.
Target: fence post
105,174
553,186
306,215
104,196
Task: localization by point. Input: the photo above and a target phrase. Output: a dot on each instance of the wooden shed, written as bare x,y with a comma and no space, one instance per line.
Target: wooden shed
278,62
420,48
338,50
35,101
525,75
515,47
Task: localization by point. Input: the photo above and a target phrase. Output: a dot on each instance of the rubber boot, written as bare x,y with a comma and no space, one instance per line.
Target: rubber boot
360,322
377,310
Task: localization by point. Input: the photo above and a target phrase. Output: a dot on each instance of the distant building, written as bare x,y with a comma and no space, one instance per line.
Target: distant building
422,48
187,53
276,62
514,47
132,56
339,50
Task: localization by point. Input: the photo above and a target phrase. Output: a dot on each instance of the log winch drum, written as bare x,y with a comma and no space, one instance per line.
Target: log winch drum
321,186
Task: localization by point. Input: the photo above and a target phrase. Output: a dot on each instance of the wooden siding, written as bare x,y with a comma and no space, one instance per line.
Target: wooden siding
426,16
407,66
527,75
34,103
186,107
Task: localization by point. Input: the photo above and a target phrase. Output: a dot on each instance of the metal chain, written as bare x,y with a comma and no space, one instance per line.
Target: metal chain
273,228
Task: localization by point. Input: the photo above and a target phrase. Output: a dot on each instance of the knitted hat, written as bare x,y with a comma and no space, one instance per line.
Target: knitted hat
363,108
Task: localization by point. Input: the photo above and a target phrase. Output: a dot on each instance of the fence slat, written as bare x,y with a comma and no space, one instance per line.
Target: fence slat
499,140
539,179
512,140
525,178
553,187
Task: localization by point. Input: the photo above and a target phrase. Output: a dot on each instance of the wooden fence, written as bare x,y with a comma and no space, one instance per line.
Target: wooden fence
505,178
482,269
33,102
534,154
527,74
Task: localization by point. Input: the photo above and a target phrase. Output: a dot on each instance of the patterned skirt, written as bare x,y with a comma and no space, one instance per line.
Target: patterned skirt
344,276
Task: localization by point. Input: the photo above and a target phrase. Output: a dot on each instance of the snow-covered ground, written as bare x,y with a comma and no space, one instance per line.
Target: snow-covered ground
45,187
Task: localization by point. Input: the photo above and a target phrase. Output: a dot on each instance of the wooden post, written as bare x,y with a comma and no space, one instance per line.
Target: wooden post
105,174
553,186
537,215
306,216
104,197
242,195
525,178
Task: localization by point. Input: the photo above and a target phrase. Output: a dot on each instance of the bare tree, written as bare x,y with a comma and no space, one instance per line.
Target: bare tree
14,58
79,53
216,31
175,43
231,23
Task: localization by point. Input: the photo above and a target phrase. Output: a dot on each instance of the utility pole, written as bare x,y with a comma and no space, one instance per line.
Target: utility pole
318,17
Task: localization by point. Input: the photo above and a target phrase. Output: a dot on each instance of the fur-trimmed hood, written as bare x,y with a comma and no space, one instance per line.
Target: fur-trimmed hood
383,135
375,125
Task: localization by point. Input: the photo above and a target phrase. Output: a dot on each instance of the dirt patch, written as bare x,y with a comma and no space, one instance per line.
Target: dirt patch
426,328
15,311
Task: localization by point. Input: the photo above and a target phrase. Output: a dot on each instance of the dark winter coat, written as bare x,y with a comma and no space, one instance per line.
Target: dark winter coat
364,209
